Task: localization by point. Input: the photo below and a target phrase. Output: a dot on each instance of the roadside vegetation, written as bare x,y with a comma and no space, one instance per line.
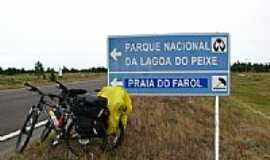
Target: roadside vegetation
17,81
245,118
12,78
183,127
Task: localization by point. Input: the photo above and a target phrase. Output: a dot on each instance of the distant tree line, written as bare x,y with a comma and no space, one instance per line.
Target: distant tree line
92,70
40,71
250,67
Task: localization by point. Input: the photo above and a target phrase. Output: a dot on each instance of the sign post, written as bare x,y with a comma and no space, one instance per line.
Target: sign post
172,65
217,128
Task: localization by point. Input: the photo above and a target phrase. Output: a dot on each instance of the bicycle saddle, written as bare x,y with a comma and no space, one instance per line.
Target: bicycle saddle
92,100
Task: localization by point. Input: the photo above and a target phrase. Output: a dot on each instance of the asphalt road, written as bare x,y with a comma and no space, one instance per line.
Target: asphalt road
14,104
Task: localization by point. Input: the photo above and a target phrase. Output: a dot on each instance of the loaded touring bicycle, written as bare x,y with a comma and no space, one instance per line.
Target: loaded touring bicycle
79,118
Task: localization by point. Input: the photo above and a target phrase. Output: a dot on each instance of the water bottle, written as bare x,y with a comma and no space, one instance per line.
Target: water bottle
54,118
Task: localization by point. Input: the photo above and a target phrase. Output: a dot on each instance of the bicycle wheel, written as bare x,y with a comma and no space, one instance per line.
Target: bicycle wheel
26,131
46,131
113,141
82,146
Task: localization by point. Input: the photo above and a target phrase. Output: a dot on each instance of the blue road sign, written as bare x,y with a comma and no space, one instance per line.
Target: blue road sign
182,64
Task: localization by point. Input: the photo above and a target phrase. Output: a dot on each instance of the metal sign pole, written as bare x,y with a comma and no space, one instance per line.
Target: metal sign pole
217,128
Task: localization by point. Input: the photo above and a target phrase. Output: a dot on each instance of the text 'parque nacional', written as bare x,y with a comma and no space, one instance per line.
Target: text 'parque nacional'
167,46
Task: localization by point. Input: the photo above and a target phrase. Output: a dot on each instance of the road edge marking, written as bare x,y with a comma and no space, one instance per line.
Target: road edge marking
17,132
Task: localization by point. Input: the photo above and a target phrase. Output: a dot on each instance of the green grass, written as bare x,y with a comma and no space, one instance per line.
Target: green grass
253,90
17,81
245,116
182,127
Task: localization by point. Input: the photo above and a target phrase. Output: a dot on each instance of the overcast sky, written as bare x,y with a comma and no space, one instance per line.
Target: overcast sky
74,33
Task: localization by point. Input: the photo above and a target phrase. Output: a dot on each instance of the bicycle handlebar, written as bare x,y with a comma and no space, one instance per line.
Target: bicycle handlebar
62,86
35,89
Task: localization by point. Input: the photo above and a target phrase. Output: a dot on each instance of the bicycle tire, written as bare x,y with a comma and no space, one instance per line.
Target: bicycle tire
46,131
78,149
21,145
110,146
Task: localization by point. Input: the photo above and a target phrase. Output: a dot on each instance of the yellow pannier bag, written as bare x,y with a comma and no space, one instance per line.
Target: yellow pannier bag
119,104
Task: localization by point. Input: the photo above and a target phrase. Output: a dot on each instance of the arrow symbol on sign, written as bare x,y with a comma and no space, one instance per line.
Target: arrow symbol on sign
116,83
115,54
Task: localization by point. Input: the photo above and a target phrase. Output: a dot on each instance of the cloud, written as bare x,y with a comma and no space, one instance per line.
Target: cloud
74,33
